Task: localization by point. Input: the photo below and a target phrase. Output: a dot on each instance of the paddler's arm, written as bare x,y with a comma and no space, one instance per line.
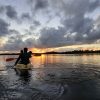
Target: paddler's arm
17,60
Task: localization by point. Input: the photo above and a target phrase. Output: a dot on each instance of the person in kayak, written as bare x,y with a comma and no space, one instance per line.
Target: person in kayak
24,57
21,52
30,54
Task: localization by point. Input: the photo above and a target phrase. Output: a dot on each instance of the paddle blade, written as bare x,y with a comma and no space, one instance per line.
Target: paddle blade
10,59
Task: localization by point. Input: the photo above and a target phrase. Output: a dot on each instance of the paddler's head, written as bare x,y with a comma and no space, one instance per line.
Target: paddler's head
21,51
25,49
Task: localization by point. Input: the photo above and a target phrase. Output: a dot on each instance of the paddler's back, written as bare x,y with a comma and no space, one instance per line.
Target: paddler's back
25,58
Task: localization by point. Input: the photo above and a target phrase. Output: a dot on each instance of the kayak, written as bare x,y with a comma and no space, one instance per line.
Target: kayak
22,69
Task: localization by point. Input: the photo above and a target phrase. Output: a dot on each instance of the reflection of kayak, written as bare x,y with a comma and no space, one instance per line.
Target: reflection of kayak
22,69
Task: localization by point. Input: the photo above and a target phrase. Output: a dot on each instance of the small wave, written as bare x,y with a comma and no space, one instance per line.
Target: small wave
52,90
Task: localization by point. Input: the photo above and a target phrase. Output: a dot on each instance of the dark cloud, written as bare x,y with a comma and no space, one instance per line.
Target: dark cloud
16,42
51,37
11,12
94,36
94,4
4,28
41,4
36,23
77,26
75,7
97,22
2,9
31,42
14,32
34,26
38,4
73,21
77,22
26,16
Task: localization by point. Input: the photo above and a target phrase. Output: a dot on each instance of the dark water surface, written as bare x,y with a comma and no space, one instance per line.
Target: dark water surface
53,77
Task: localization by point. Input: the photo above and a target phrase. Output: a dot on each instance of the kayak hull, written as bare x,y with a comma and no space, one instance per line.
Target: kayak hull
22,69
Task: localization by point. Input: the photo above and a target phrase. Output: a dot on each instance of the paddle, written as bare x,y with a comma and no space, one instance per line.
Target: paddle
10,59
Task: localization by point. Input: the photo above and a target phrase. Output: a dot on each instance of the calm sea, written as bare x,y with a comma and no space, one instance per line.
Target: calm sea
53,77
46,59
73,59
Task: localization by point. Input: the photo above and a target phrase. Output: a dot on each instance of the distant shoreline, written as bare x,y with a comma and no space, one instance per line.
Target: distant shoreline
53,52
9,54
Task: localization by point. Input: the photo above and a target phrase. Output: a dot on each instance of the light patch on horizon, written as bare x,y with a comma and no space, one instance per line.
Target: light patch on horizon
2,41
77,47
38,50
67,48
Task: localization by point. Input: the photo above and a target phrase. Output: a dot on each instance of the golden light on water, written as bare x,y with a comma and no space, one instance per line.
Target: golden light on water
38,61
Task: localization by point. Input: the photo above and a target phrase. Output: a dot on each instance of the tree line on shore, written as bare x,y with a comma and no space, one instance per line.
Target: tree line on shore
74,52
66,52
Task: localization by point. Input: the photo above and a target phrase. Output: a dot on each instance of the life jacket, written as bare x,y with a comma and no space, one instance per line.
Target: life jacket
25,58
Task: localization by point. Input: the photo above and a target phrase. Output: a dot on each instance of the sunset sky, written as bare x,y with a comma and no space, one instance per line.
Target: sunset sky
56,24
